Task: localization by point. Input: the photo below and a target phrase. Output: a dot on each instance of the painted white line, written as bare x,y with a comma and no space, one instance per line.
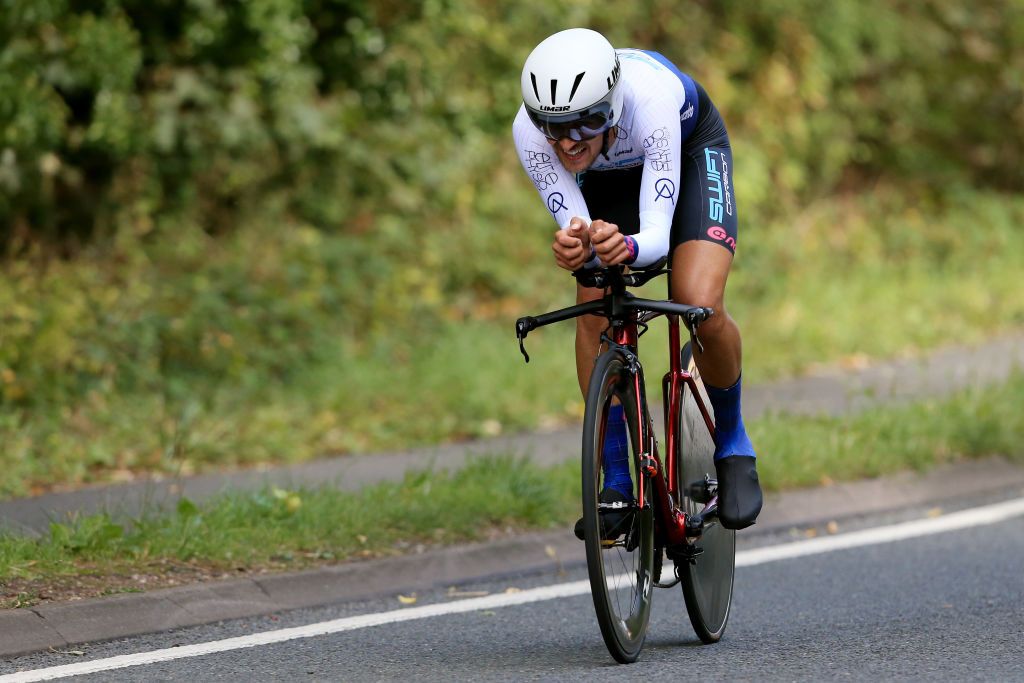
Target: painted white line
989,514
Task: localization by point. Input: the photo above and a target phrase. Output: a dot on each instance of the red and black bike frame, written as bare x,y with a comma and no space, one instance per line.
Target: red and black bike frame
626,313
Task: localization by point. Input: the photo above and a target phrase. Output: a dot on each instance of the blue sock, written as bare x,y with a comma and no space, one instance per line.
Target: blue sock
730,434
616,453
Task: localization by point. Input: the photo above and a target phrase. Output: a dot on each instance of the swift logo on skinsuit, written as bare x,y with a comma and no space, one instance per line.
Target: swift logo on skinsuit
719,199
725,186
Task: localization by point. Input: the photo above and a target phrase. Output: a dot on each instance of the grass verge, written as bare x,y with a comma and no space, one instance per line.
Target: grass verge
278,530
273,348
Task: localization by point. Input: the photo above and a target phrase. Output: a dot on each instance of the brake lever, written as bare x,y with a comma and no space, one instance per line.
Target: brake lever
523,327
692,323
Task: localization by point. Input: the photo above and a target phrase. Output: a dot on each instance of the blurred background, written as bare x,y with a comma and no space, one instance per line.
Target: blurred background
244,232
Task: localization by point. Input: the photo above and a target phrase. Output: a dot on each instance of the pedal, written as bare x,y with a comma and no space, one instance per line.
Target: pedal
703,491
684,552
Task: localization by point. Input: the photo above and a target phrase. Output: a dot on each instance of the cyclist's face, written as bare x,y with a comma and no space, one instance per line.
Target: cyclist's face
575,156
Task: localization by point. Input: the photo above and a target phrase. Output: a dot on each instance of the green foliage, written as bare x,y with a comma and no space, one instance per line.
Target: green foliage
351,114
240,232
806,451
211,352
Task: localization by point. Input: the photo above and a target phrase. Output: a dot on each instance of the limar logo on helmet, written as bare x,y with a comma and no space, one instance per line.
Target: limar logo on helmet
614,78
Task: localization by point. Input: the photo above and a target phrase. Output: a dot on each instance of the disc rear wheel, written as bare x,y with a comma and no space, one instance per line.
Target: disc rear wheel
707,578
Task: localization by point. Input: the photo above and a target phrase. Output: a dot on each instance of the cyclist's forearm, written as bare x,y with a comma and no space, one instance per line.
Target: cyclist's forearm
651,242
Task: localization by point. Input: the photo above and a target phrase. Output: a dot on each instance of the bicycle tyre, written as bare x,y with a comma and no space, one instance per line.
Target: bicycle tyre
707,579
621,577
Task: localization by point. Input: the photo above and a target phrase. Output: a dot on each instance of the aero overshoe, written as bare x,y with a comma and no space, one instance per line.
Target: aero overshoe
739,491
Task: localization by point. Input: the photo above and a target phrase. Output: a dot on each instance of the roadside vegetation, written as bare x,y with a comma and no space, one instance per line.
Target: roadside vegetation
233,234
279,530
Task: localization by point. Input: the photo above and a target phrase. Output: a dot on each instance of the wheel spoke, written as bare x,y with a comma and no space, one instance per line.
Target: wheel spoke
617,567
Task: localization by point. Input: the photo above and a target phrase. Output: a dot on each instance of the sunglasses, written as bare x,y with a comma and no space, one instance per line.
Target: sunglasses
578,126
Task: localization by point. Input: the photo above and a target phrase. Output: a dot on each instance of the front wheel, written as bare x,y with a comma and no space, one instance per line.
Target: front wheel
620,560
707,577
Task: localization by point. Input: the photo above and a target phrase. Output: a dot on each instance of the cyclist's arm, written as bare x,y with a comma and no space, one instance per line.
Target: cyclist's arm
556,186
657,128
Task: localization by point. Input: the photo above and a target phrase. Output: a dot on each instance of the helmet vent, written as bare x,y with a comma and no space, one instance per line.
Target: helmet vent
576,84
554,87
533,79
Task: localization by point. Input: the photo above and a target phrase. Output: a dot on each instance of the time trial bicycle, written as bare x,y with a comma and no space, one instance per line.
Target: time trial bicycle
673,513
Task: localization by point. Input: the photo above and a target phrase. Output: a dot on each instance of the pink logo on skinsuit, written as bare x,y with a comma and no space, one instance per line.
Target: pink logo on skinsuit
718,233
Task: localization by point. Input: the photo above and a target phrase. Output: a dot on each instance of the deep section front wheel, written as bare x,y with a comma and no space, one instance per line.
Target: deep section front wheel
620,556
707,576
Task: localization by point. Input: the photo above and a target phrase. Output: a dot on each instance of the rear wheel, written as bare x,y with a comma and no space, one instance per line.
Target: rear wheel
707,577
620,565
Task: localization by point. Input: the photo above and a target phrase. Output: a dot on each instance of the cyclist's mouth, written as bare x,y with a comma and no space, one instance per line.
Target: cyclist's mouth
576,152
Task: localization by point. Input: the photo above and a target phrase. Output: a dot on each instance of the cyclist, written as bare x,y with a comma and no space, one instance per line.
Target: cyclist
633,161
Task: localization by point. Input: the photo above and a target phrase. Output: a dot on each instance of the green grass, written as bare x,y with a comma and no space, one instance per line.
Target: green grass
277,529
278,348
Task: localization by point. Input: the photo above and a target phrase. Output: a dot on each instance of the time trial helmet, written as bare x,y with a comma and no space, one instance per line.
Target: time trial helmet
569,85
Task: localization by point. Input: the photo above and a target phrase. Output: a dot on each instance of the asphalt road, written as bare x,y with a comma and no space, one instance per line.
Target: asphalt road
947,606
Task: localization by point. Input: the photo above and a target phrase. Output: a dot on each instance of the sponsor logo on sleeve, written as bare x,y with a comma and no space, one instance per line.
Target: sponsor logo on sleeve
658,146
632,247
540,169
556,202
665,189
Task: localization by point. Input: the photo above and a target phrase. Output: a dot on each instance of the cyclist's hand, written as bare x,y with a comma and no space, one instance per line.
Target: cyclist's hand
572,245
609,243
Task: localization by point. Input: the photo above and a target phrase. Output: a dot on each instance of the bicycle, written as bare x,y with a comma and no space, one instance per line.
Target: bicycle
674,506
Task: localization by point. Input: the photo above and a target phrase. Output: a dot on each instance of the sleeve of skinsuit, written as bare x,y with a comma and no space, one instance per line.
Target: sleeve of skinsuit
557,187
656,126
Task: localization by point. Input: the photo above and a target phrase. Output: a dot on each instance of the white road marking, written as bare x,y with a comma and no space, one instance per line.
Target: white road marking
990,514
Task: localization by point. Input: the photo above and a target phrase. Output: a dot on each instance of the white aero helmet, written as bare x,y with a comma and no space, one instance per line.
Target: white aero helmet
569,85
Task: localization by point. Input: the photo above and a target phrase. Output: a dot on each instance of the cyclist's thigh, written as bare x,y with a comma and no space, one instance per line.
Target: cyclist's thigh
613,196
707,208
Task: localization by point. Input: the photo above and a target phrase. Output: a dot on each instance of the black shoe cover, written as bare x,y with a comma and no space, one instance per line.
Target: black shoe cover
616,515
739,493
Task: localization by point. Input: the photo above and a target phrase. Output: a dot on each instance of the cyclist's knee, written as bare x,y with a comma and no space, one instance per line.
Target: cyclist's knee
590,326
700,294
708,297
